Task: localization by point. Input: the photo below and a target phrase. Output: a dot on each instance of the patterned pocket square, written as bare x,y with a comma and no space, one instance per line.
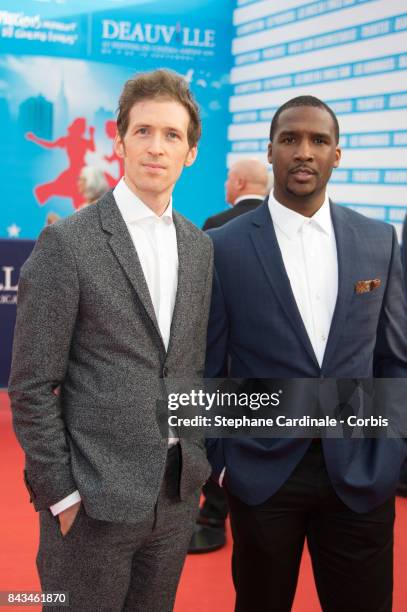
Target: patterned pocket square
364,286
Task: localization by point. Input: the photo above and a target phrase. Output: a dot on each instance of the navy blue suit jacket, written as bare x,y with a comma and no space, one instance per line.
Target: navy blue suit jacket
256,331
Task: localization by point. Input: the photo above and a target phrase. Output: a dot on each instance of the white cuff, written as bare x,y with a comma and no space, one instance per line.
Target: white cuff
222,476
69,500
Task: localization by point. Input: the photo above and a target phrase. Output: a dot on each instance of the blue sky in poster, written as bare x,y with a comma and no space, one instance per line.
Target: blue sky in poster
47,80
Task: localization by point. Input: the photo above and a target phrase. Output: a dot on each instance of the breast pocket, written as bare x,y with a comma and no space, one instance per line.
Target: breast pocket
364,312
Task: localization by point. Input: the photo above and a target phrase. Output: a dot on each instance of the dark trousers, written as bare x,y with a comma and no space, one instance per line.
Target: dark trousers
403,473
216,504
112,567
352,554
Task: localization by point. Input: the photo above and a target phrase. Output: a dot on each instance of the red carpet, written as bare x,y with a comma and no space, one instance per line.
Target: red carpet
206,585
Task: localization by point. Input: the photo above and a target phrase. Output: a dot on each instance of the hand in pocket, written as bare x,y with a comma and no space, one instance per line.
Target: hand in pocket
67,518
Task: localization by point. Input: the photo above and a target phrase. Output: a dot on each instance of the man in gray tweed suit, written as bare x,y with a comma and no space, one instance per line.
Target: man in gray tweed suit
113,301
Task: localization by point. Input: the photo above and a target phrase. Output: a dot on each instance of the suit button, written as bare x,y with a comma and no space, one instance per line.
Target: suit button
165,371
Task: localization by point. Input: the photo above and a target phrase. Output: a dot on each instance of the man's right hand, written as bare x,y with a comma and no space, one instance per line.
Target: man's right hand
67,517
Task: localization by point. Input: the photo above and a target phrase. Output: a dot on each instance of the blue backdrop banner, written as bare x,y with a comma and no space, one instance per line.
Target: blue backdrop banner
62,68
13,254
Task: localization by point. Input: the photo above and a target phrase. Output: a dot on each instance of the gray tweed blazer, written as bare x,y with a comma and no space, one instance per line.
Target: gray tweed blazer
86,324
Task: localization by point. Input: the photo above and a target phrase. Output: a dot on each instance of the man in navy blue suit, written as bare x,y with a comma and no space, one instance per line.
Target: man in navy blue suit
304,288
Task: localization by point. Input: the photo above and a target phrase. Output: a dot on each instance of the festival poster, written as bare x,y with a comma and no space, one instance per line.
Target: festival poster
62,68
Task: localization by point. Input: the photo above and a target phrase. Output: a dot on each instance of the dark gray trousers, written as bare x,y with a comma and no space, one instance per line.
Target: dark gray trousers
109,567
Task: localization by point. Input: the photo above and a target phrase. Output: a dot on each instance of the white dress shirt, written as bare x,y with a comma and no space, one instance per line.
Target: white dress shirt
155,241
308,248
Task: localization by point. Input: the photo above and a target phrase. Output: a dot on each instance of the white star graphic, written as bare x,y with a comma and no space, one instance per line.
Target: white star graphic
13,231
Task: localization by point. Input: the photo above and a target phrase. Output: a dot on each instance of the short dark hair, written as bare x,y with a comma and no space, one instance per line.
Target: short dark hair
303,101
159,84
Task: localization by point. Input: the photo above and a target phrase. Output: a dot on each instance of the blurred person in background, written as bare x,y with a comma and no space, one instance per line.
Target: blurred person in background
52,217
92,185
245,187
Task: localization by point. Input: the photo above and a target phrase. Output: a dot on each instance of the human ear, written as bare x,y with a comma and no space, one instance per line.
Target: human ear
338,155
191,156
118,146
269,152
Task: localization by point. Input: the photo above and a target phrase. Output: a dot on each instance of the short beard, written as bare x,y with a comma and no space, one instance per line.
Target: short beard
302,195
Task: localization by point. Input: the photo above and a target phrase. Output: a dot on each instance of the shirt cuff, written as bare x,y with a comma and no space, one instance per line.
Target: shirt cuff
69,500
222,476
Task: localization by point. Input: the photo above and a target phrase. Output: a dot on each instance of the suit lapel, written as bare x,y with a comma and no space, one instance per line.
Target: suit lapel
266,245
122,246
182,300
345,246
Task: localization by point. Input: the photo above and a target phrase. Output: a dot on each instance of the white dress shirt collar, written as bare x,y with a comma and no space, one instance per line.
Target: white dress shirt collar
133,209
248,196
290,222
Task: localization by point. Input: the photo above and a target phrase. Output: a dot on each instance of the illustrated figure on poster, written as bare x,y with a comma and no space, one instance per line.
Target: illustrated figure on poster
111,129
76,146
